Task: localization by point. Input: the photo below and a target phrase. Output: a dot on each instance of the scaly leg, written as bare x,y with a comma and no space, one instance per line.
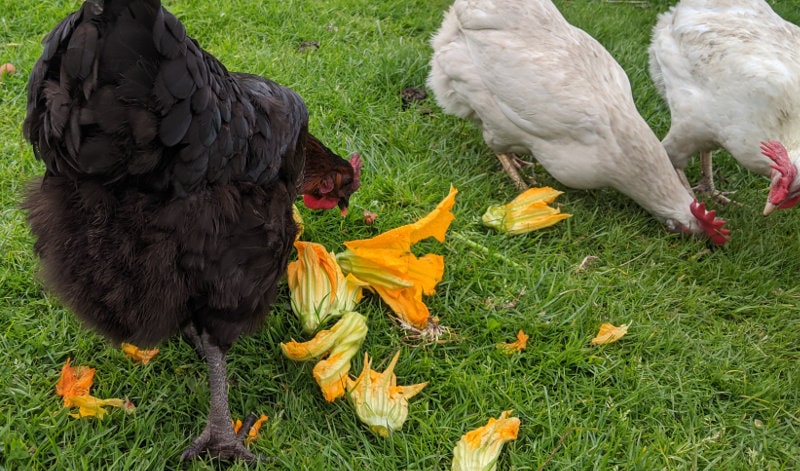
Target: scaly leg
218,438
511,165
706,183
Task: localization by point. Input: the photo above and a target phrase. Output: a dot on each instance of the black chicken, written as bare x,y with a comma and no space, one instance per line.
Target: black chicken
166,206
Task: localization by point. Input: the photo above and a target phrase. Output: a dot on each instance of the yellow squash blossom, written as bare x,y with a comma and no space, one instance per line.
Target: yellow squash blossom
480,448
74,381
399,277
527,212
138,355
609,333
89,406
340,344
252,434
377,399
516,346
318,288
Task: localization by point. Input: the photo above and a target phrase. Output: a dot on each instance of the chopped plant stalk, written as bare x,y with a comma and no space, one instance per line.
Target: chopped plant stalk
527,212
318,288
138,355
74,381
399,277
89,406
340,344
252,434
480,448
609,333
516,346
377,399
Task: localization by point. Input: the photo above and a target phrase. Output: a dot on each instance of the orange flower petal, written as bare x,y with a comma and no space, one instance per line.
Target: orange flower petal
516,346
407,305
252,434
138,355
74,381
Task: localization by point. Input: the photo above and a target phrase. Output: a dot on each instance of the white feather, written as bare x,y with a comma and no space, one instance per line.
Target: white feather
537,85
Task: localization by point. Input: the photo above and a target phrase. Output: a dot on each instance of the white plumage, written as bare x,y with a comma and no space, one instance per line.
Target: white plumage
536,84
730,72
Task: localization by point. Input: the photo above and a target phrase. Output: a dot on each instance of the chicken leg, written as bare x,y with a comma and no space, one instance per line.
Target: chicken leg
218,438
706,183
512,165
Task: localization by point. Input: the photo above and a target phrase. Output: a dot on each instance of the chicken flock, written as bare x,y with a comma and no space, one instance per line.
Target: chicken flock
166,204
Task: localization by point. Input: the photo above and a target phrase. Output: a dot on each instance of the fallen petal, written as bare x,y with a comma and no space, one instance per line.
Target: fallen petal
516,346
138,355
609,333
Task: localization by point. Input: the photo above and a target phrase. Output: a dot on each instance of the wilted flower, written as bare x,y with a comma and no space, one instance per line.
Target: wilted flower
318,288
609,333
387,264
138,355
527,212
340,344
480,448
74,385
377,399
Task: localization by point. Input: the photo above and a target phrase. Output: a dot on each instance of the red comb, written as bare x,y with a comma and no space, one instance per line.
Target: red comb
709,223
355,162
775,151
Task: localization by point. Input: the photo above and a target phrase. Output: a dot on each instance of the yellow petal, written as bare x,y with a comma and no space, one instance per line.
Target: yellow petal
378,401
516,346
609,333
138,355
74,381
434,224
527,212
479,449
90,406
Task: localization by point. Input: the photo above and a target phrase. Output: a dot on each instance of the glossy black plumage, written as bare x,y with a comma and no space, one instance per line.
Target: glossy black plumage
166,203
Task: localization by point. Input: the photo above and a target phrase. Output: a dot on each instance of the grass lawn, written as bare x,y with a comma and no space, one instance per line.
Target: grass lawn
707,377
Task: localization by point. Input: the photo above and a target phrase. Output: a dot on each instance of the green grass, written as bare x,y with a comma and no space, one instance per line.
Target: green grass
706,378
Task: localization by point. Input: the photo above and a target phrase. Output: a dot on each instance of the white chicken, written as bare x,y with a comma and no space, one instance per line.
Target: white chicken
536,84
730,72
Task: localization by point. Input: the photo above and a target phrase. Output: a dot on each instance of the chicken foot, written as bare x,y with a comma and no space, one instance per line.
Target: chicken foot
218,438
512,165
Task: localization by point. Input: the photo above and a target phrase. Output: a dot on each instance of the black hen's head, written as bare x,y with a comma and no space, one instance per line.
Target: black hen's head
328,180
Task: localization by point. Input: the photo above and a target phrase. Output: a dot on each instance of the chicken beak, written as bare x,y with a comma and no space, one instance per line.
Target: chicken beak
769,208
